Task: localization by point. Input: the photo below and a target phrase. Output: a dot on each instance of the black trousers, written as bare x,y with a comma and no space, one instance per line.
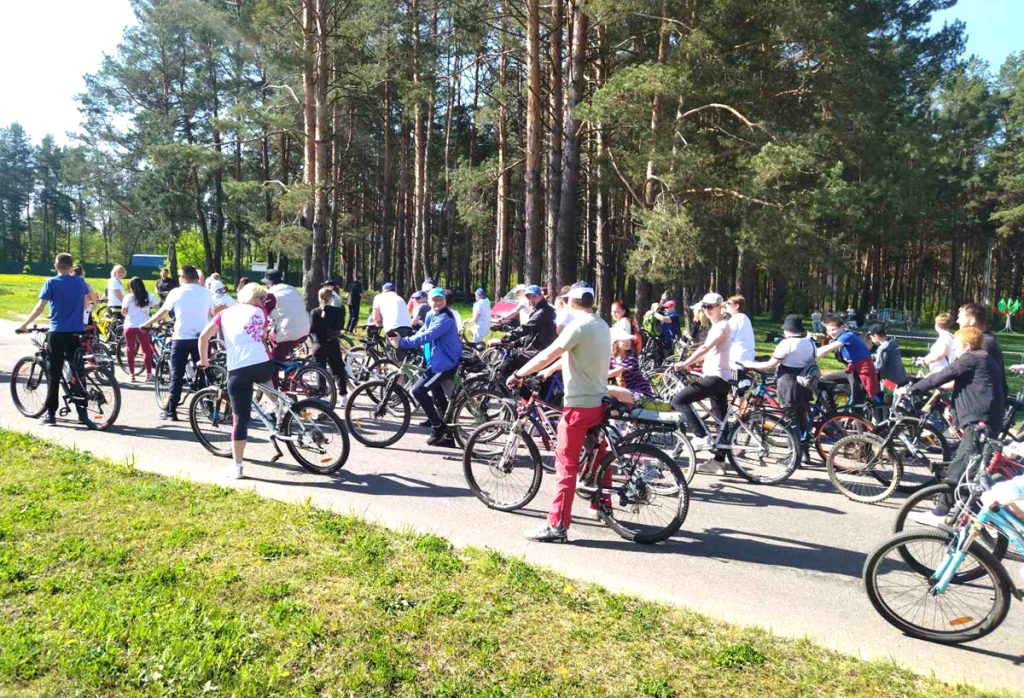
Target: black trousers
181,351
63,347
353,316
830,381
794,400
329,354
713,387
964,452
429,391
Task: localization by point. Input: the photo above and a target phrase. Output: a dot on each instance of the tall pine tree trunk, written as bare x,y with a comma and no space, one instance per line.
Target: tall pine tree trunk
567,218
533,225
555,152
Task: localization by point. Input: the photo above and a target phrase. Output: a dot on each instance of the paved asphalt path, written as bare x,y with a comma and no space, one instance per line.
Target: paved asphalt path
787,557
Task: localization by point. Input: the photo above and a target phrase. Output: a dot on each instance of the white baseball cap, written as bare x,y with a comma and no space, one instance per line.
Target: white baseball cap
711,299
620,335
579,290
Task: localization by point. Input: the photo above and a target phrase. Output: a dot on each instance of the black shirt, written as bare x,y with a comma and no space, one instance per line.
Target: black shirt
978,394
165,286
421,313
355,293
537,332
325,324
990,346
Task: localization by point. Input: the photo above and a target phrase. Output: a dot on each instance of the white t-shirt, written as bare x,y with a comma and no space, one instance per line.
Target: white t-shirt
114,284
289,317
795,352
224,299
455,314
716,361
742,347
243,327
191,304
622,323
563,316
393,311
943,343
135,315
482,311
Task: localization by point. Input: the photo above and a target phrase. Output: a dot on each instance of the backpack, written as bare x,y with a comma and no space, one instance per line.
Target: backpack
810,374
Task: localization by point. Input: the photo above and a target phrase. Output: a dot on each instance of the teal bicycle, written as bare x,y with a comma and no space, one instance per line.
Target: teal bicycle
946,585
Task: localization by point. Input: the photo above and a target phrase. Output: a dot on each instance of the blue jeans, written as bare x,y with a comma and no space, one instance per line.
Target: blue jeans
429,391
181,350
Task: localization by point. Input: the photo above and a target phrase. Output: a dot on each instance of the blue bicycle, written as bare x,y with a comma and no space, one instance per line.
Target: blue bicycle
946,585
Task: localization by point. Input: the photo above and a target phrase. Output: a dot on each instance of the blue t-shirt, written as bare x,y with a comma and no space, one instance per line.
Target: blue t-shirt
670,330
66,295
854,349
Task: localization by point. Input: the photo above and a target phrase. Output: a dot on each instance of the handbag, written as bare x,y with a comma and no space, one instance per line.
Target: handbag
810,374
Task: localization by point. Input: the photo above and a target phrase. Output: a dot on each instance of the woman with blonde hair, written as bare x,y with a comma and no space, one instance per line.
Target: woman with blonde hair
115,288
244,328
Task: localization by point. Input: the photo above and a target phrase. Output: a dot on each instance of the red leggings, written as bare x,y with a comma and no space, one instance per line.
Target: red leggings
133,336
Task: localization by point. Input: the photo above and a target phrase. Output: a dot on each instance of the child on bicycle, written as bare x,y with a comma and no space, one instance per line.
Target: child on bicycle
625,368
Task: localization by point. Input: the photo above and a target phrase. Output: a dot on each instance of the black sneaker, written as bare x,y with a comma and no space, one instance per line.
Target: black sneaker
168,416
48,420
425,423
436,435
447,440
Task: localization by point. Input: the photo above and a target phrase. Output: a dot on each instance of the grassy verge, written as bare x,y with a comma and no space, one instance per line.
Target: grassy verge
120,583
18,294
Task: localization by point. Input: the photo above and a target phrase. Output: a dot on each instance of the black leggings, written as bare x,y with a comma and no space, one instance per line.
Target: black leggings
240,389
329,354
713,387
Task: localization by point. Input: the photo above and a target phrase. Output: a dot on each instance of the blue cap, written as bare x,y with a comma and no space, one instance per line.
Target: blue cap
435,292
388,286
480,292
420,294
533,290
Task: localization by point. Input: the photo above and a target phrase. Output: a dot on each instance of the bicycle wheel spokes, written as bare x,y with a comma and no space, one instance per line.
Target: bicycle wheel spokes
764,450
377,420
502,468
908,599
921,451
642,496
210,416
316,437
835,428
102,398
28,386
314,382
863,469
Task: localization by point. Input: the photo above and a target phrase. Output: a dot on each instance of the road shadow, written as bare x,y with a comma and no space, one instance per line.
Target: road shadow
386,484
733,494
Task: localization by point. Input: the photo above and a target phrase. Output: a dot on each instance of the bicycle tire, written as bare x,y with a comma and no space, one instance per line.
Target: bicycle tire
874,566
476,406
836,427
634,490
121,352
102,406
306,428
846,460
368,405
674,444
29,386
313,382
915,466
778,451
162,383
487,453
212,406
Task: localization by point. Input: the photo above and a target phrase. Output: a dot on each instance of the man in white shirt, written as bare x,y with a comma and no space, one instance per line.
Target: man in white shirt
289,318
742,347
481,319
191,304
941,352
389,309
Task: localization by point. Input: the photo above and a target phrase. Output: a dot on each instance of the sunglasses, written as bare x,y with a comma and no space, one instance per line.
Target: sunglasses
709,306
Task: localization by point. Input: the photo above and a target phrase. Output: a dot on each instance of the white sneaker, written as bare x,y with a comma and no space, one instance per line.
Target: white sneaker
700,443
711,467
233,472
928,518
342,401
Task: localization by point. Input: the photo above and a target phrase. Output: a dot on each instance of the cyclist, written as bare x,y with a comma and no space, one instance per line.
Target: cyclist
976,315
742,346
325,325
622,318
632,383
520,311
136,307
586,346
791,356
563,313
716,372
887,358
244,327
524,341
77,270
389,310
289,319
978,400
191,305
941,351
68,296
439,337
419,308
860,371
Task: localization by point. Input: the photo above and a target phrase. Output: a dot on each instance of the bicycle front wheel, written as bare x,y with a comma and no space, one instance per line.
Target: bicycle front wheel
162,383
836,427
641,493
471,409
502,468
28,386
102,398
908,600
863,469
376,415
921,450
763,449
316,437
209,414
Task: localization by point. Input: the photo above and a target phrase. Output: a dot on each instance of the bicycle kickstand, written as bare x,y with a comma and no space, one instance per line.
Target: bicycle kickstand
280,453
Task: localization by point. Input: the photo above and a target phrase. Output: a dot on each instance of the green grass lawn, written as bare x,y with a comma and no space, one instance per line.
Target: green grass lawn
116,582
18,294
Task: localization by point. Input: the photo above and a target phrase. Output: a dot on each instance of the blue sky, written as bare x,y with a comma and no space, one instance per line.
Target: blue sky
51,43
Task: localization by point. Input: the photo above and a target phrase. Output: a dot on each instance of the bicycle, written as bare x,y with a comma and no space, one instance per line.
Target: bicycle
306,378
637,489
93,390
312,433
869,467
944,586
195,378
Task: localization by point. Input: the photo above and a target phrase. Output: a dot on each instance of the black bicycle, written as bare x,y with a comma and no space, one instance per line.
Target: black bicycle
91,390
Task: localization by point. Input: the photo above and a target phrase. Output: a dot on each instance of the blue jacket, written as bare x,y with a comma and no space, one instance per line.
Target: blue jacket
441,336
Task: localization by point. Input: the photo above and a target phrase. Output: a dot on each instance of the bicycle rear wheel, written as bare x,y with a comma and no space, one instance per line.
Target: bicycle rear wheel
102,398
763,449
647,500
209,414
471,409
502,468
836,427
921,450
315,436
121,350
28,386
313,382
162,383
905,598
378,416
862,469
